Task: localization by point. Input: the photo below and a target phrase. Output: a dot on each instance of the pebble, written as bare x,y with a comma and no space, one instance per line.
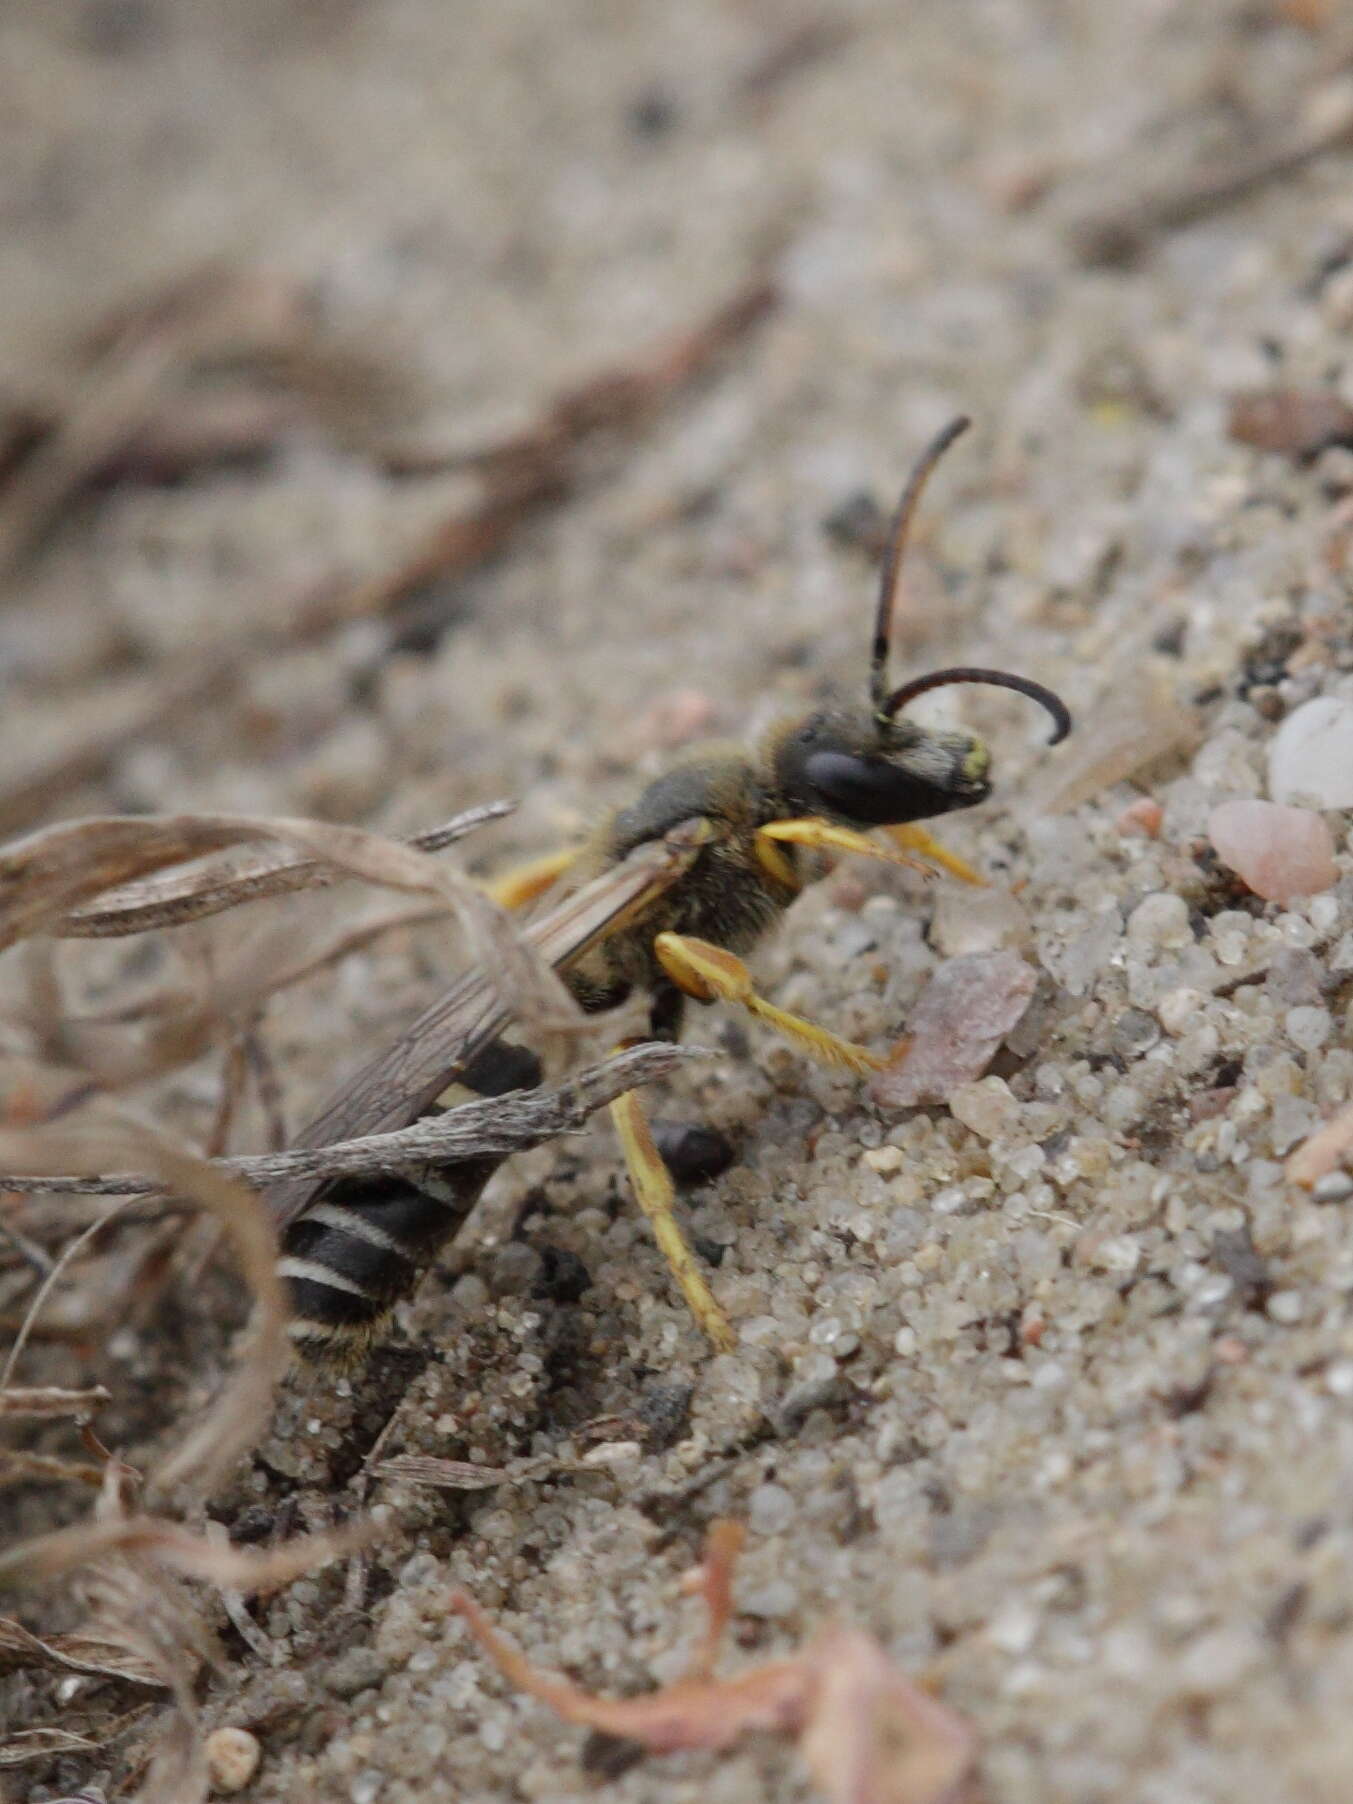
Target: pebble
978,920
1177,1008
1311,757
987,1107
232,1757
1160,919
1141,819
962,1016
1308,1027
885,1160
1279,852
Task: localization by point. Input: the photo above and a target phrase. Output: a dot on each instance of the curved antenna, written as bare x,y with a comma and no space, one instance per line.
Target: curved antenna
892,562
995,679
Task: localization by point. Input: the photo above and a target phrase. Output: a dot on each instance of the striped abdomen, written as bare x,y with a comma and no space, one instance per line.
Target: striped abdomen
364,1243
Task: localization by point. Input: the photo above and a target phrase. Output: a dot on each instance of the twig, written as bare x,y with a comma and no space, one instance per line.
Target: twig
522,476
1120,230
497,1125
137,355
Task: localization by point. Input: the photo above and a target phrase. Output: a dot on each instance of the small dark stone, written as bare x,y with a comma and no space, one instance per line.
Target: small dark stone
664,1411
609,1756
1169,641
1235,1252
691,1152
256,1522
1133,1033
563,1276
709,1250
859,522
653,113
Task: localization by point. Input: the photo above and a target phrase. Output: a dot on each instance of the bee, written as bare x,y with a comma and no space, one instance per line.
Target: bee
675,887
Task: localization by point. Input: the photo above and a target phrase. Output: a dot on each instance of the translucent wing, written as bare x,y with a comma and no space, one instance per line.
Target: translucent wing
401,1082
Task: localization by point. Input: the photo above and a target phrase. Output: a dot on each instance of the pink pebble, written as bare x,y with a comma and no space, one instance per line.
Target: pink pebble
1142,818
1279,852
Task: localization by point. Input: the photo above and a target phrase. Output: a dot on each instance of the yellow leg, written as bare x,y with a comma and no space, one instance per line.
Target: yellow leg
914,846
522,884
913,837
657,1199
826,836
712,975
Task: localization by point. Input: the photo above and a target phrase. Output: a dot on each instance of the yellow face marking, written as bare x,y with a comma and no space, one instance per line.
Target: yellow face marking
977,763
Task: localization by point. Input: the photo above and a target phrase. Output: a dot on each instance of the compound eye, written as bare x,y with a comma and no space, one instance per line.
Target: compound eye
878,794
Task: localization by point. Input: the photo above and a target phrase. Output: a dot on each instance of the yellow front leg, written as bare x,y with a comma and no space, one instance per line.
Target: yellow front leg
656,1197
710,974
524,882
913,837
826,836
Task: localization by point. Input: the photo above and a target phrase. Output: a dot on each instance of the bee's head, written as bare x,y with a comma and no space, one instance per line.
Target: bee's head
843,764
869,767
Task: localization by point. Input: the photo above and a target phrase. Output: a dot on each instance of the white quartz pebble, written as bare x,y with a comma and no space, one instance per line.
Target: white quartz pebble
1311,757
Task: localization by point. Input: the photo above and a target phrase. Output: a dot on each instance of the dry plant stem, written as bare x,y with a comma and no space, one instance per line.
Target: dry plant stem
173,901
497,1125
69,1252
19,1468
46,1400
137,355
1120,231
238,1415
522,476
43,875
171,1544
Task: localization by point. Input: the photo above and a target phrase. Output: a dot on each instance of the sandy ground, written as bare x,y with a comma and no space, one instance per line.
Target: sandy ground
1050,1391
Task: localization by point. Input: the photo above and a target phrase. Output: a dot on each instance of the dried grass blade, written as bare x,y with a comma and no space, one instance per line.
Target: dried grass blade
47,1400
170,1544
238,1416
171,902
73,1654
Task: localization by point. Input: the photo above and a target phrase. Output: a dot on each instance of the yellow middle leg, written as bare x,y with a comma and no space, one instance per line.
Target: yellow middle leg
653,1189
710,974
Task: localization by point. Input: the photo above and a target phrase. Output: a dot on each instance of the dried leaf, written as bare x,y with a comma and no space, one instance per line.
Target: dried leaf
72,1653
42,1744
965,1011
445,1474
867,1734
